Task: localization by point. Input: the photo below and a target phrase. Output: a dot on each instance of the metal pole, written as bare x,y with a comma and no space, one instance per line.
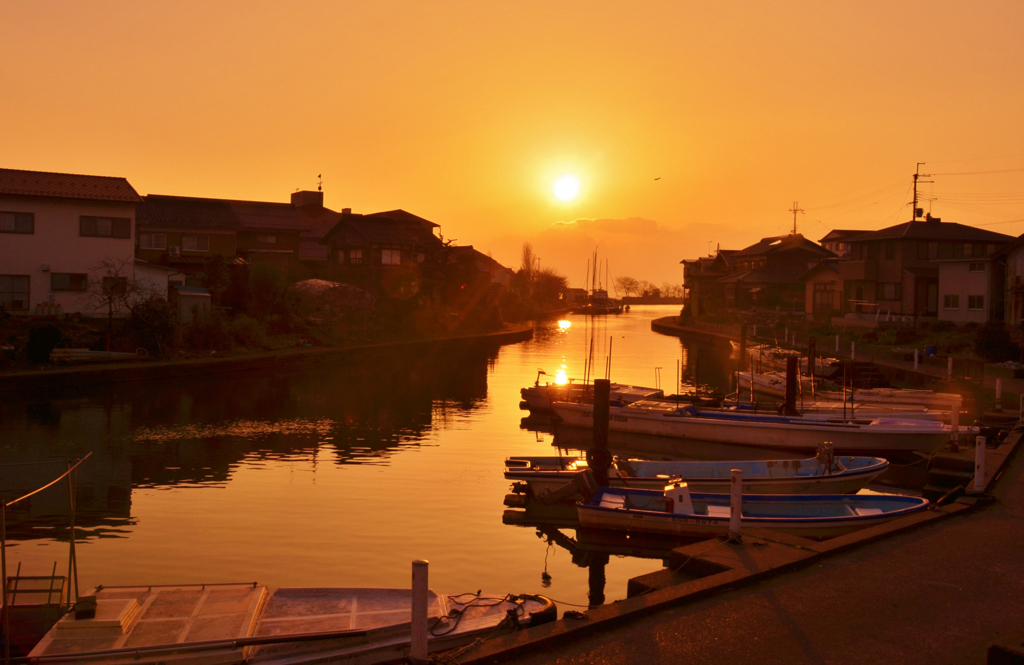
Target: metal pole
736,506
949,369
853,350
979,464
954,438
999,394
418,649
72,556
916,358
3,566
837,343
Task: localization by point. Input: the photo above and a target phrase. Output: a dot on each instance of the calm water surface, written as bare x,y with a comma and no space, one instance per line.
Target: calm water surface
336,475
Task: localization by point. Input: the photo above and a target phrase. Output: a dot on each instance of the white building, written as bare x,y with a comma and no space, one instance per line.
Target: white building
60,237
967,289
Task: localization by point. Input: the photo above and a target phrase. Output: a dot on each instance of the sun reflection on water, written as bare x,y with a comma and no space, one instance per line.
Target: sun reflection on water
560,377
564,325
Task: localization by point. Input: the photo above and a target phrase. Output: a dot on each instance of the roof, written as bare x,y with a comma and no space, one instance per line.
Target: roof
402,216
383,229
781,243
159,210
831,265
468,252
840,234
67,186
932,229
163,210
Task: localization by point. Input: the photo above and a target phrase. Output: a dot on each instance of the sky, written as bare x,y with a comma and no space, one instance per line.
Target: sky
688,125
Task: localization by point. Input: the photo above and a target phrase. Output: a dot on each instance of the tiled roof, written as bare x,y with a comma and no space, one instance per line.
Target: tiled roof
158,210
932,230
67,186
838,234
781,243
769,275
355,229
402,216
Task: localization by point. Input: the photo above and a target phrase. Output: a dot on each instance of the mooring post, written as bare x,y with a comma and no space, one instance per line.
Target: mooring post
954,437
979,464
418,648
598,458
917,359
837,343
949,369
853,350
785,337
743,347
754,334
791,370
736,506
999,394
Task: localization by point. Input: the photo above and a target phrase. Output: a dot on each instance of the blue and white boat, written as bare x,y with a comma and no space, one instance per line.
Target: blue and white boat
676,512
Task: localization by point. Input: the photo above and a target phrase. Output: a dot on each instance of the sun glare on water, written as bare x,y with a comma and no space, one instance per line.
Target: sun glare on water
560,377
567,187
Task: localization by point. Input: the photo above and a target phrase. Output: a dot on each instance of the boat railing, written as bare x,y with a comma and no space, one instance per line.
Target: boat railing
70,474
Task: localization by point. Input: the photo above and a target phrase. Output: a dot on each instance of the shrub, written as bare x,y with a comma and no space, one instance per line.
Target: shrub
247,331
992,342
42,339
153,325
208,332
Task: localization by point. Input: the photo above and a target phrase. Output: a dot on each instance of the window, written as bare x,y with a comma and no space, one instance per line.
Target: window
152,241
979,251
872,248
824,296
890,250
975,302
267,239
922,251
17,222
946,250
390,257
14,293
195,243
67,281
976,266
355,256
950,302
105,227
891,291
113,285
421,257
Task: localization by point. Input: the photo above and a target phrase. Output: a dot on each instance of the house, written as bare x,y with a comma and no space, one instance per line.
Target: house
184,232
971,290
896,270
1010,258
702,290
66,241
767,274
386,253
823,290
835,241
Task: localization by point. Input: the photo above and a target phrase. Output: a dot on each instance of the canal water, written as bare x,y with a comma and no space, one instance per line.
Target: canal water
338,474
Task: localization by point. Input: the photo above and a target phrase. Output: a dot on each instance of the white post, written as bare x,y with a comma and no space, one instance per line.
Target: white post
837,343
736,505
853,350
418,650
999,394
917,359
954,437
949,369
979,464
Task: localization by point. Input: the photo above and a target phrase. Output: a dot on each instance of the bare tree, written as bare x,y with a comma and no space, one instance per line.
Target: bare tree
627,285
528,261
111,287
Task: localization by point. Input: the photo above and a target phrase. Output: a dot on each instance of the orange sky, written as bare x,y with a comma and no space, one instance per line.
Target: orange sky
467,112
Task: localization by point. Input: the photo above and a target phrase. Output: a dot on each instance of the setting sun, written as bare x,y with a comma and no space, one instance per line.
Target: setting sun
567,187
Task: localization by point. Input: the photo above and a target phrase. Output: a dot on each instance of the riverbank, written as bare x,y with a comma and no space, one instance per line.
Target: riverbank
926,588
51,377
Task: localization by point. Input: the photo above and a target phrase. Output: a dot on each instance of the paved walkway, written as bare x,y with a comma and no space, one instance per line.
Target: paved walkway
940,594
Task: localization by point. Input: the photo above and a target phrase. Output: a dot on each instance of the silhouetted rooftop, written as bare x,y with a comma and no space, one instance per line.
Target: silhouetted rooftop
67,186
933,229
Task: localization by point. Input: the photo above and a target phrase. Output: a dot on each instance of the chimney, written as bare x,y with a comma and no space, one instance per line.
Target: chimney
932,220
308,199
346,211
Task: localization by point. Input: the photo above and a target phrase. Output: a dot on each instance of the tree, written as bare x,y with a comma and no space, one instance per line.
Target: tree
627,285
528,260
112,289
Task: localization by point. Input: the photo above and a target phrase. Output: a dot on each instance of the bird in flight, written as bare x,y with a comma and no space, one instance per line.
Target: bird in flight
658,178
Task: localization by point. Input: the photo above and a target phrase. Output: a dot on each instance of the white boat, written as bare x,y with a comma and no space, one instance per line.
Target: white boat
239,623
676,512
876,437
765,356
774,383
538,398
544,475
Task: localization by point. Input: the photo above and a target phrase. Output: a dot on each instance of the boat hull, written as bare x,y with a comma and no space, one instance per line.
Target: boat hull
543,475
828,523
780,434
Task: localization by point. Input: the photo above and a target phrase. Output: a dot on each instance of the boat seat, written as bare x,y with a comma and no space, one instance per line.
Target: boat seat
719,511
866,512
613,501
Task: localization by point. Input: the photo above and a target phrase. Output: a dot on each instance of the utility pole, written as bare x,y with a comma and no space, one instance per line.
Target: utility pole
917,174
795,209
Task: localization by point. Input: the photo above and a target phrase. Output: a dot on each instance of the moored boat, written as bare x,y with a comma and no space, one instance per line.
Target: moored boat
697,515
539,398
831,475
876,437
774,383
